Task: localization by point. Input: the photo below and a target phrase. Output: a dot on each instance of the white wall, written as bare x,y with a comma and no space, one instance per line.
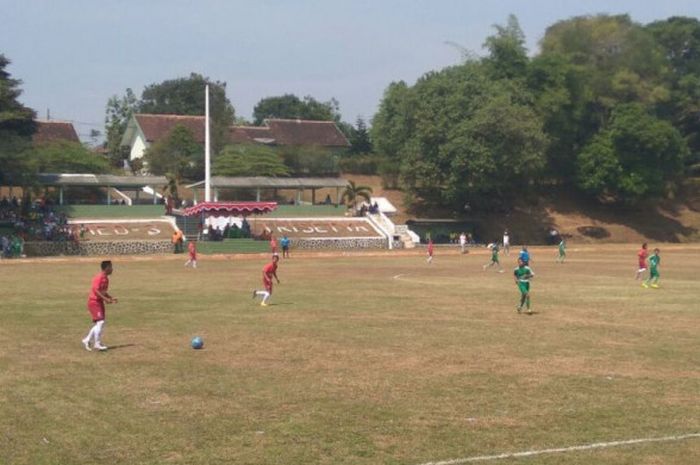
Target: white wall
138,147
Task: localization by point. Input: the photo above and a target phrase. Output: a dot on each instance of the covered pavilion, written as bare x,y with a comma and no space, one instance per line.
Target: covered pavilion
107,181
258,183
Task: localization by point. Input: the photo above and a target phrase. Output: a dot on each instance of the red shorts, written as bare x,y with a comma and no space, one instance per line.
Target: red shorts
96,309
268,285
642,264
193,256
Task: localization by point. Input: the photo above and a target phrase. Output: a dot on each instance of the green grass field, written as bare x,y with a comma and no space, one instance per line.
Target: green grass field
361,359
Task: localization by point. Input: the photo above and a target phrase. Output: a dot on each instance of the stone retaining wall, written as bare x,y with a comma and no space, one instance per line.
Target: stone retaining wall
108,248
46,249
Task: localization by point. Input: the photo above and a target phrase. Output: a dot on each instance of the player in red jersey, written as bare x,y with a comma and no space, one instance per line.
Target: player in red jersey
642,255
269,272
192,248
96,306
273,244
430,251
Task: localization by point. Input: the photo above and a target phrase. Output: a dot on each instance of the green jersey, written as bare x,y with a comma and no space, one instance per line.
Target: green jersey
494,253
562,247
523,273
654,261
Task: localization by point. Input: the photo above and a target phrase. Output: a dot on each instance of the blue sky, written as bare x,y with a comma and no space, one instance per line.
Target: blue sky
73,55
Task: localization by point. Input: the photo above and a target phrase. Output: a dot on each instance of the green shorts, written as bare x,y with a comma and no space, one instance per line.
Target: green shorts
494,259
524,287
653,272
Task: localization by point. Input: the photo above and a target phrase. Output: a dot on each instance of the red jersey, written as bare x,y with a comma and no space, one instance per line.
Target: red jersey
273,245
643,254
270,269
99,283
430,247
192,249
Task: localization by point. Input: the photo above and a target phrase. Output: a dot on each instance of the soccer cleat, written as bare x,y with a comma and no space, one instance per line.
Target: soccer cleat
500,271
518,309
86,344
263,304
645,285
529,311
655,286
100,347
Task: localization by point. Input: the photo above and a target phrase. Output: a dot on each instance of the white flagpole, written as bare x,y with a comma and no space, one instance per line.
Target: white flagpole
207,148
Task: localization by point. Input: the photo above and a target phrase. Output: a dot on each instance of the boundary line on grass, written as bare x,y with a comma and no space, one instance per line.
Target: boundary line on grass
530,453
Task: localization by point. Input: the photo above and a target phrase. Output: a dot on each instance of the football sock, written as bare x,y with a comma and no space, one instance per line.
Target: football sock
98,332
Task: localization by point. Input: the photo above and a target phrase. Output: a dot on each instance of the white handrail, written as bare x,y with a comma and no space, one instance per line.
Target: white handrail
390,237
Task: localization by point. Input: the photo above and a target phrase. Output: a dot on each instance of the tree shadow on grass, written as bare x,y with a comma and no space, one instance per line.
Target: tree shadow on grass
526,224
653,220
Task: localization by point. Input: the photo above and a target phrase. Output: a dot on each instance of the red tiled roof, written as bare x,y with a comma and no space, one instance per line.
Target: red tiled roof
304,132
277,131
157,127
53,131
248,134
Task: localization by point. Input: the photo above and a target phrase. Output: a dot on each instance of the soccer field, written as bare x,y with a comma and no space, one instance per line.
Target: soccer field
360,359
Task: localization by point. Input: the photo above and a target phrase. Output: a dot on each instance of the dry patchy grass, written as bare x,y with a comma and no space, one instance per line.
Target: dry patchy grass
352,364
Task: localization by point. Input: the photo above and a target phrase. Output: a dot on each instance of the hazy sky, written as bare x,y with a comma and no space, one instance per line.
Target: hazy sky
73,55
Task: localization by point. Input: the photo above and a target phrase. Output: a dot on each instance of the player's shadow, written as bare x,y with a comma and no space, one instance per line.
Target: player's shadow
121,346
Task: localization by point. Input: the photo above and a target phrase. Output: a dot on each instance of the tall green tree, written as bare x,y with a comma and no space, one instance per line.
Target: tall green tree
679,39
16,128
360,141
589,65
392,127
66,157
495,155
181,96
249,160
624,62
118,113
185,96
637,156
563,100
177,156
289,106
507,53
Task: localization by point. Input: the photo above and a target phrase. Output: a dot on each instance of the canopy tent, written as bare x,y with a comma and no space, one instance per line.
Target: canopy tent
217,209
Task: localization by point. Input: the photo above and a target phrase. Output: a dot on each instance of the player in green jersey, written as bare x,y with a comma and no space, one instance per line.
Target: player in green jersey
562,251
522,275
653,279
494,259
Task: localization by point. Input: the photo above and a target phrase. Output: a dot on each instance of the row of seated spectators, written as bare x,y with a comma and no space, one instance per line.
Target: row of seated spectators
31,222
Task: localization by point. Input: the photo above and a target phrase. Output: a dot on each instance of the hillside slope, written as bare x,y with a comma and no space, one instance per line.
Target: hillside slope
578,220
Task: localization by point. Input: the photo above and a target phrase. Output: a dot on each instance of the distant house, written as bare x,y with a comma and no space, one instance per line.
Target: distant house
54,131
145,129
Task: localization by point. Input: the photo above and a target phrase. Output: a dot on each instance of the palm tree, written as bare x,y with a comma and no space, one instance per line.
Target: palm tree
352,194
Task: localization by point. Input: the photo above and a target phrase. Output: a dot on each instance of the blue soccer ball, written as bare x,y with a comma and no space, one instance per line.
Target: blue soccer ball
197,342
